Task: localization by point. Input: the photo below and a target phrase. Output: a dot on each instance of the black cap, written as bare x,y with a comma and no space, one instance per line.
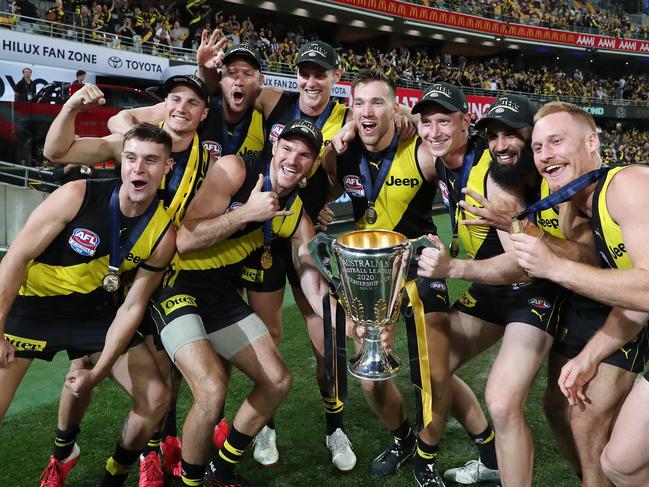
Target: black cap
305,129
320,53
515,111
445,95
243,51
194,82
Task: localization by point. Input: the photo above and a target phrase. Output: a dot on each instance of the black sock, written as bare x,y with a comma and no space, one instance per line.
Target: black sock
334,408
153,444
231,452
118,466
403,434
486,444
271,423
426,454
170,428
192,474
64,442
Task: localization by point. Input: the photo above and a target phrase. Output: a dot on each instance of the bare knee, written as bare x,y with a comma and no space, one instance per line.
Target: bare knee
154,400
210,397
282,383
614,465
504,408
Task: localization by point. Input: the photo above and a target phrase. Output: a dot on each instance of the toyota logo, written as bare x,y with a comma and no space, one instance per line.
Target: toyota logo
115,62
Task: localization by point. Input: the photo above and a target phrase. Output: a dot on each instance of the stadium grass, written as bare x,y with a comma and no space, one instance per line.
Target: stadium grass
27,432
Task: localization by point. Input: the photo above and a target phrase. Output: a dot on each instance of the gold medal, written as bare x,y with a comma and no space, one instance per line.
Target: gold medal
111,282
517,227
454,247
370,215
266,260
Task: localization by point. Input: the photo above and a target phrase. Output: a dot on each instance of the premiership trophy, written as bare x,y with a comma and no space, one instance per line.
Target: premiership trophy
367,270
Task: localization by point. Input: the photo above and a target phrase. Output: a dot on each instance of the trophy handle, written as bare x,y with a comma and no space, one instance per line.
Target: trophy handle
319,246
418,244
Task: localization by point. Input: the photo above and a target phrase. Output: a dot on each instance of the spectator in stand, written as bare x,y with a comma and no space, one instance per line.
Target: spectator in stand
126,31
178,35
25,89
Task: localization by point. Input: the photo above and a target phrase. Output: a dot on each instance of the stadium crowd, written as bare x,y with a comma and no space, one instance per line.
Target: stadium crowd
156,29
582,16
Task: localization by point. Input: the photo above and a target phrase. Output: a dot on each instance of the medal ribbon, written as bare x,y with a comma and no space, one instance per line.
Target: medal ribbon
268,224
118,253
467,165
372,189
322,118
564,193
232,143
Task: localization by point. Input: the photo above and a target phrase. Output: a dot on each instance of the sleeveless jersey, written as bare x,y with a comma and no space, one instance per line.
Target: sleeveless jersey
219,260
68,275
405,201
608,235
548,220
314,195
184,180
215,129
480,241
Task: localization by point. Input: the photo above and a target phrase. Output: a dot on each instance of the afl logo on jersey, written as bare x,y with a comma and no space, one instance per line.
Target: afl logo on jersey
438,286
275,131
353,186
84,242
540,303
234,205
213,148
444,190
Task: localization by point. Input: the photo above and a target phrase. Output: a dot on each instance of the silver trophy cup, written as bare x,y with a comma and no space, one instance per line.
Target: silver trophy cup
367,269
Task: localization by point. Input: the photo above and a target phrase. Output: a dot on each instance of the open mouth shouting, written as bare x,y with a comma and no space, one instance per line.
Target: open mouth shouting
368,127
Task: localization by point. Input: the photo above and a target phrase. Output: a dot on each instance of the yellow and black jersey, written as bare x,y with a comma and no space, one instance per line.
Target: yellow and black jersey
548,220
185,178
67,276
608,235
314,195
404,203
245,138
220,260
480,241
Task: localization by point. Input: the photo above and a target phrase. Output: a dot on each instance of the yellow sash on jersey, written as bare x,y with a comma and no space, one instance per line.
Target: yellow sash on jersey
178,205
420,377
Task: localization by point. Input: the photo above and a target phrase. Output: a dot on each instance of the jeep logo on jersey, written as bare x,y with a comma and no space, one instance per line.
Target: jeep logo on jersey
84,242
353,186
540,303
234,205
214,148
392,181
438,286
444,190
275,131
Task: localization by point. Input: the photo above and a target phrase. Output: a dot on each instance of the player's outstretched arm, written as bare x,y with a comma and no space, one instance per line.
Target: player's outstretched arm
42,227
61,144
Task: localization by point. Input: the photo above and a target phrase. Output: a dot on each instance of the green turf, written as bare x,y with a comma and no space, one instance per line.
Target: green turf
26,434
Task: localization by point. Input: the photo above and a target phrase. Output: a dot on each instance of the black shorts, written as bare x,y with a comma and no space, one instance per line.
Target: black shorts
254,278
581,318
43,338
433,294
536,304
217,307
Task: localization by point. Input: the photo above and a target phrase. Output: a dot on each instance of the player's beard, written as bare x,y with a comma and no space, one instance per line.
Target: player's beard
513,175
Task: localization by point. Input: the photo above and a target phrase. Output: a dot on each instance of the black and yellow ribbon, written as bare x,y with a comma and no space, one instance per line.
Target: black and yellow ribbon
418,352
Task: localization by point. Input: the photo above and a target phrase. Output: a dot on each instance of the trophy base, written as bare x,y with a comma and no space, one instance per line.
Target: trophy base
379,367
